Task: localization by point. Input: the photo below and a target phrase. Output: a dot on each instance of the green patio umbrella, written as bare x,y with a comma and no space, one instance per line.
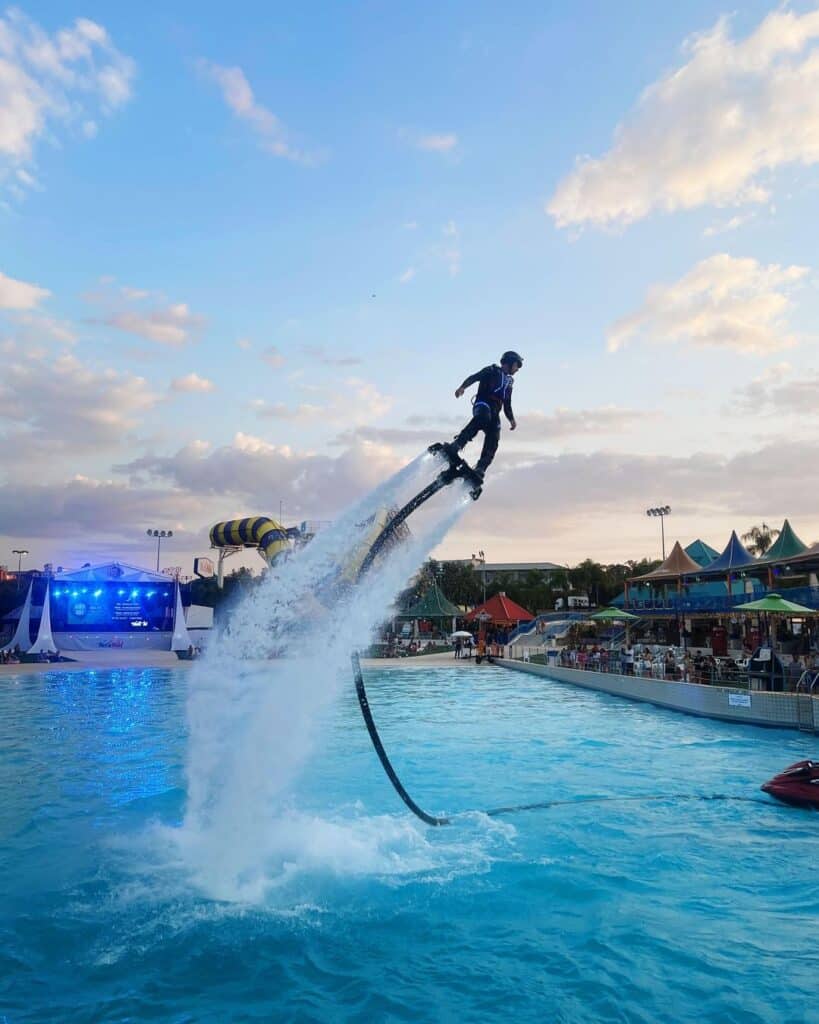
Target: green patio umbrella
776,605
613,615
616,615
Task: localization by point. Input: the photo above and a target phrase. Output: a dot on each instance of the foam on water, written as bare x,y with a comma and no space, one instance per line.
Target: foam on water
252,720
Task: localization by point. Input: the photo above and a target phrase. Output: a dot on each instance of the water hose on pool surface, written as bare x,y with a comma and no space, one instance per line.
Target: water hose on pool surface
386,764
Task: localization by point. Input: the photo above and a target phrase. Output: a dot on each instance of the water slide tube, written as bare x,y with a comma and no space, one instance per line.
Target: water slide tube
271,538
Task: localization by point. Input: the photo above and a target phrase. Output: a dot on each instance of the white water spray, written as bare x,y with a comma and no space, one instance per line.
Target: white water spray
252,719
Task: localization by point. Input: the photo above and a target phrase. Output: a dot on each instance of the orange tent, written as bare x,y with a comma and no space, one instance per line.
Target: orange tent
502,611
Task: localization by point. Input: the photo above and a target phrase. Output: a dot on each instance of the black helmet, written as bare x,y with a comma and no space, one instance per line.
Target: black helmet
511,357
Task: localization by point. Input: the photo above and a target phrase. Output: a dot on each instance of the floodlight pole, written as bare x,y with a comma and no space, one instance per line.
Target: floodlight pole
19,552
159,534
662,511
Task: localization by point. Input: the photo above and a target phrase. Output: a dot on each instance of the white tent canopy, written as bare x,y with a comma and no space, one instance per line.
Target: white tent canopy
22,636
181,640
45,641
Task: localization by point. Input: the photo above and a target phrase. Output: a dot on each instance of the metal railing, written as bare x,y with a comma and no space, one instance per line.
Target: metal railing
660,669
808,682
674,603
702,670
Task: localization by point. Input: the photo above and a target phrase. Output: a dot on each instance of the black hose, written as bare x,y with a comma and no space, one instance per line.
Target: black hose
364,704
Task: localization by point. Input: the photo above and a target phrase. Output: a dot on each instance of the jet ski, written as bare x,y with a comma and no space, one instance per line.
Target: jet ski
798,785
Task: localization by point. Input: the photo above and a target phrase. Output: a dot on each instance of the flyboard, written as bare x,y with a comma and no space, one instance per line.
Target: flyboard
456,469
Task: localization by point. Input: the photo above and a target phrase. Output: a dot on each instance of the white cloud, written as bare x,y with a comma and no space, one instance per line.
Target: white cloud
565,423
357,402
731,224
780,392
532,427
19,294
103,513
145,314
440,143
49,80
712,131
192,382
35,327
170,325
723,301
272,357
407,276
250,469
238,95
303,413
63,406
320,353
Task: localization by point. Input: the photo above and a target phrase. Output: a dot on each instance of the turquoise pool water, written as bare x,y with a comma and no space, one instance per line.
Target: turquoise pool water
633,910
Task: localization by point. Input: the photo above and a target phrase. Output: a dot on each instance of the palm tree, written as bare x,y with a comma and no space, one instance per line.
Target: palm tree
759,538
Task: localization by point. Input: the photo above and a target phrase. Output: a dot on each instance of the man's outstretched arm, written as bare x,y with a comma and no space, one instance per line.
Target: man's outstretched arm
473,379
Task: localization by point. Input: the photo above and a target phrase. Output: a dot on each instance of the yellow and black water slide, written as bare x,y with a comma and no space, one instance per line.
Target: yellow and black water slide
271,538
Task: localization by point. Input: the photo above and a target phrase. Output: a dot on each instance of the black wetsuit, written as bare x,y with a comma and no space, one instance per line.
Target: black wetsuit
494,394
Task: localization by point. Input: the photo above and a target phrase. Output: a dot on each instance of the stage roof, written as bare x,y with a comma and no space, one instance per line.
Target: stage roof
112,572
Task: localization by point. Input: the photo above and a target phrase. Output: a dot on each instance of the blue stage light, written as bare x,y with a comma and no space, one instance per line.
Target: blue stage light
134,593
97,593
150,593
120,592
75,593
167,593
84,590
57,593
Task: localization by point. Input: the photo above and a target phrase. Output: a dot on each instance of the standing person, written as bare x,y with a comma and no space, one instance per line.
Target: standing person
458,646
494,394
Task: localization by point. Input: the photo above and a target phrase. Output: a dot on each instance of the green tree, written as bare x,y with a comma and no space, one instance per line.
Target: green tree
206,592
759,538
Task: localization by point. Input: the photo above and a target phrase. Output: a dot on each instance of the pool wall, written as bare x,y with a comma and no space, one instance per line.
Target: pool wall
781,710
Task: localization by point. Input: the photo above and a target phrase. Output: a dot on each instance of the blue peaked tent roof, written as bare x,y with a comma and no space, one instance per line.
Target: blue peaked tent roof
701,552
735,556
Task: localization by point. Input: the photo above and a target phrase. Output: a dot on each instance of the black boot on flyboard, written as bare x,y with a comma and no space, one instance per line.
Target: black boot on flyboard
458,467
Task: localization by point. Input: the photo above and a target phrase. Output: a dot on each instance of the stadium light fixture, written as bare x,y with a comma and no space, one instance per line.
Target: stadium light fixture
661,511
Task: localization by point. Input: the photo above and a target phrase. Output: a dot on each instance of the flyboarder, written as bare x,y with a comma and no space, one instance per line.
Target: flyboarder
494,393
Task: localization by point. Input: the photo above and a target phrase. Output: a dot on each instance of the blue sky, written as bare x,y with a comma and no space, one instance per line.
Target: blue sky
247,260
